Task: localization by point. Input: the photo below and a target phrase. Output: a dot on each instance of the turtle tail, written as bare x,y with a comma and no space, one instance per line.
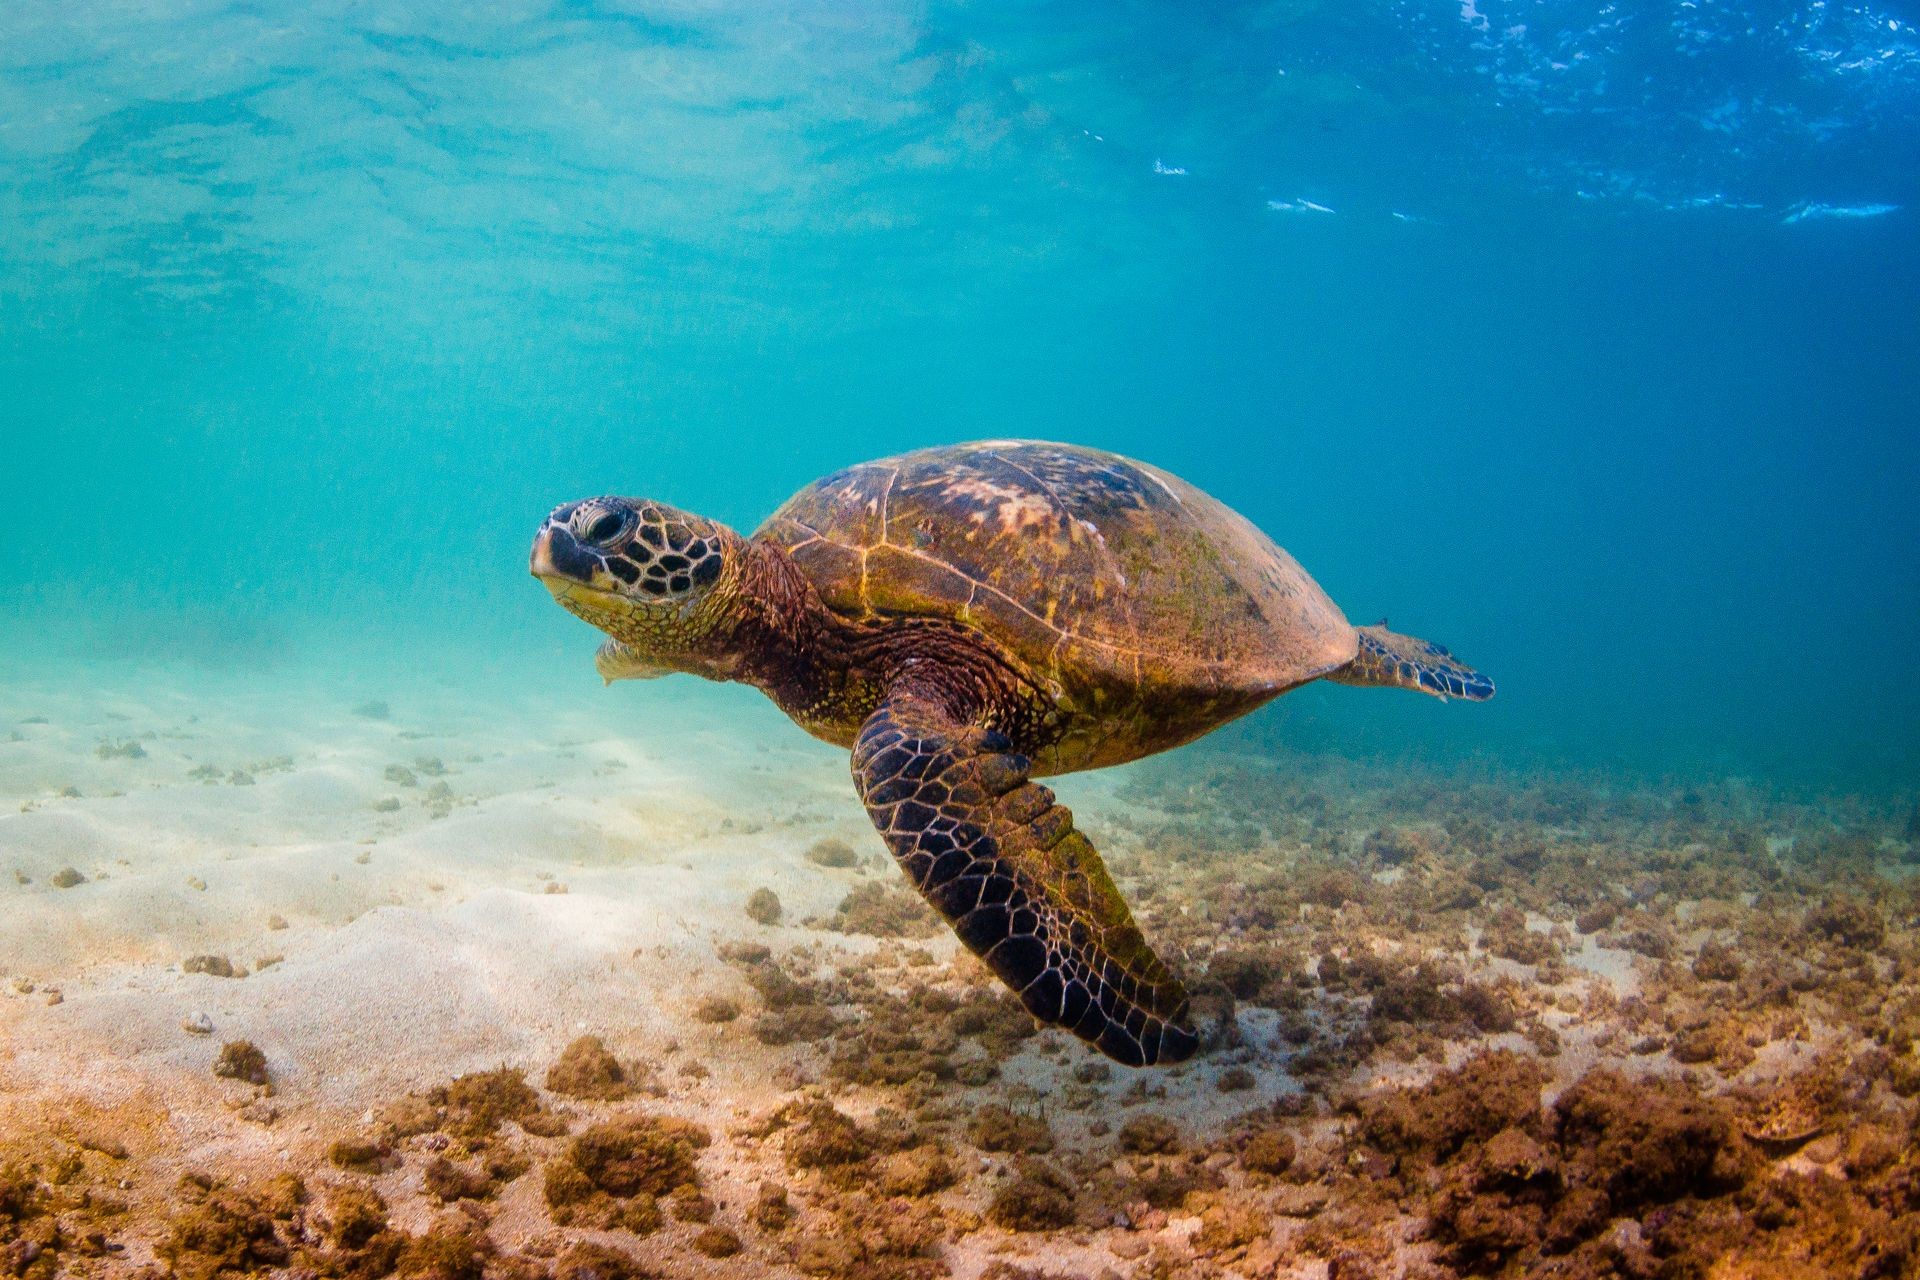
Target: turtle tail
1391,660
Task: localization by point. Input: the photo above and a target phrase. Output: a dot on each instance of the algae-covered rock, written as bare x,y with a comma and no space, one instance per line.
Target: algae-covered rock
242,1060
587,1069
832,852
614,1173
996,1128
763,907
590,1260
716,1242
1269,1151
820,1136
914,1173
1040,1198
475,1105
1149,1134
219,1233
1494,1091
885,910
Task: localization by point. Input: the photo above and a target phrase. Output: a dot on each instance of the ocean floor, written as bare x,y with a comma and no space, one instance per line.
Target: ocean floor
445,970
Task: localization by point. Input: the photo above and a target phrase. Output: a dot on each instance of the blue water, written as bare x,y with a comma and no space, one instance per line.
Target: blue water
1579,337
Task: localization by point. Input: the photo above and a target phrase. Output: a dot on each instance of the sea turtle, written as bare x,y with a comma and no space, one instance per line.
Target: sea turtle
966,619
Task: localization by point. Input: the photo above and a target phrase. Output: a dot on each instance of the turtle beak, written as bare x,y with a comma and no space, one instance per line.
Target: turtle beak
558,560
541,563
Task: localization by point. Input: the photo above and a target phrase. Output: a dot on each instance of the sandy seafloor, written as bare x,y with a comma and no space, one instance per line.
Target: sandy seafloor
1471,1023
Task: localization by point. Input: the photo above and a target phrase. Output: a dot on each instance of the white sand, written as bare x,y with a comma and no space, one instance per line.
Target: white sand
416,946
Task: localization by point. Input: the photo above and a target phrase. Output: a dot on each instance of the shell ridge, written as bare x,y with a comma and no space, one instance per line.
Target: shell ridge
814,535
1209,664
1058,630
1067,514
886,497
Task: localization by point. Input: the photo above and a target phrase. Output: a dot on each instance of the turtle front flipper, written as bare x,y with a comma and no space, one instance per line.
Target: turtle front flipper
616,660
1026,892
1389,659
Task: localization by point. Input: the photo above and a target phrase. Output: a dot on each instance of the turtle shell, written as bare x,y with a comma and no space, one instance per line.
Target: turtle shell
1104,577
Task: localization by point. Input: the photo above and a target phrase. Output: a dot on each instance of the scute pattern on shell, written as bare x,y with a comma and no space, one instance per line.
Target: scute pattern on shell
1104,576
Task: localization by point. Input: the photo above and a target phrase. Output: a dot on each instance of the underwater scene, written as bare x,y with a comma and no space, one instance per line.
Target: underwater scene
888,641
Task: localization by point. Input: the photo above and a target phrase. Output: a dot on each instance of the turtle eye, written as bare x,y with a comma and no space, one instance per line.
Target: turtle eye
606,528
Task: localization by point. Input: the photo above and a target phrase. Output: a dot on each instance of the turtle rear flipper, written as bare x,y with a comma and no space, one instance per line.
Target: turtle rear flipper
1405,662
1026,892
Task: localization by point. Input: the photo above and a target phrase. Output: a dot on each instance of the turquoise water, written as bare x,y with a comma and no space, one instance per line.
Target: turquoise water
1580,338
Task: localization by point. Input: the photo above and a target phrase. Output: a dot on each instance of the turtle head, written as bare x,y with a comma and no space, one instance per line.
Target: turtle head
660,581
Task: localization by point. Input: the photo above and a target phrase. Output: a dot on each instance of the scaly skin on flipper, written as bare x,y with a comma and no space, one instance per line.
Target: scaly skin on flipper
1023,890
1390,660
